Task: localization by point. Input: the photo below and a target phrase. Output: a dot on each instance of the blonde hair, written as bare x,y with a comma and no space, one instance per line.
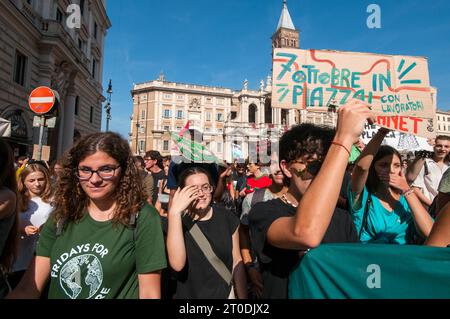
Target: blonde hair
24,196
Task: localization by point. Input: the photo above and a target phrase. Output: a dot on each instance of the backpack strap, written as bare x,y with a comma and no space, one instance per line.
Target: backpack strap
258,196
133,224
366,214
201,240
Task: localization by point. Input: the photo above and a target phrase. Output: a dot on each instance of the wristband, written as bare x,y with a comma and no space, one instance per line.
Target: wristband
408,192
342,145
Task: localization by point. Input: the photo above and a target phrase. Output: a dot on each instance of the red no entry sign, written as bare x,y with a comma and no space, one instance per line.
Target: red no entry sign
41,100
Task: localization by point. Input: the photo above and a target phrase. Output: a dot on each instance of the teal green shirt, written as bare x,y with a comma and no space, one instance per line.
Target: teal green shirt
382,227
97,260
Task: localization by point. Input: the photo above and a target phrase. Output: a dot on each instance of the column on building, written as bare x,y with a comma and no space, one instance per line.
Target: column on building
245,110
262,111
68,126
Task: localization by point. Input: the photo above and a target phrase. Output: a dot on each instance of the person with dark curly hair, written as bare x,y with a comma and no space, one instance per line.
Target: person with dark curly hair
313,159
104,240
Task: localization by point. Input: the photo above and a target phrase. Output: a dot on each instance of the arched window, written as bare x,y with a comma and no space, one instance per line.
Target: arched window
252,113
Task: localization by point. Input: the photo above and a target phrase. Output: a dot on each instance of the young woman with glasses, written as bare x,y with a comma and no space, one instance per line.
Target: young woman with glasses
196,277
103,241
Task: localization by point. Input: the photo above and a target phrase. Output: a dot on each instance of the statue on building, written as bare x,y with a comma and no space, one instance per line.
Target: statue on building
245,85
269,81
261,86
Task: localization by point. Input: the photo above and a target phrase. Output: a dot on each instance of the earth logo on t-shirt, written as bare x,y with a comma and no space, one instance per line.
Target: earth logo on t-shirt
81,277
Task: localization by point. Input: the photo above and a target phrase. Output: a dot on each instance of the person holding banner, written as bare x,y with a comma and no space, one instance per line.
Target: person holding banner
383,206
314,159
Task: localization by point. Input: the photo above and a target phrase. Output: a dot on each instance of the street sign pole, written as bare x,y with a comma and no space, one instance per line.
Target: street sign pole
41,136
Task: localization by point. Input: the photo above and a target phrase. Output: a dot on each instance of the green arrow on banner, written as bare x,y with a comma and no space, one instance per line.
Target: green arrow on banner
193,151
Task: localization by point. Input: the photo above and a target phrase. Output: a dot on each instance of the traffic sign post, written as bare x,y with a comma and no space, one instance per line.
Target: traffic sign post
41,134
41,101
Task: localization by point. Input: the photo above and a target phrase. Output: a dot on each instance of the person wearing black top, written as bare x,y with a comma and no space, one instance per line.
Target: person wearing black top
196,277
306,216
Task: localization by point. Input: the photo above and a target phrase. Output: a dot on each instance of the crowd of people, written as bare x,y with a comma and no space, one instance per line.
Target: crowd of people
103,223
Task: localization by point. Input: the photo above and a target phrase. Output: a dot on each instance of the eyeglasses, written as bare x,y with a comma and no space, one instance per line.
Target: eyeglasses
148,159
206,189
105,173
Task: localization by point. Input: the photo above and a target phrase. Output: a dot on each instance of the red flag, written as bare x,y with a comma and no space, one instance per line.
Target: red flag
186,128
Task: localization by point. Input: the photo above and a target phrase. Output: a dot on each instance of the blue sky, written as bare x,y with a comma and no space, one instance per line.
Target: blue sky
224,42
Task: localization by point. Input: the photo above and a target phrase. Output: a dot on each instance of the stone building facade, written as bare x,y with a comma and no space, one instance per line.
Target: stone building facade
38,47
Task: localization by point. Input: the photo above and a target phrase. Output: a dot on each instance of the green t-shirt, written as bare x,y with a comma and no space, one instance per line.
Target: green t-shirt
97,260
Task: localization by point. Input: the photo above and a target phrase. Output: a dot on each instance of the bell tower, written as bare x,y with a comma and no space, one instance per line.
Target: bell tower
286,35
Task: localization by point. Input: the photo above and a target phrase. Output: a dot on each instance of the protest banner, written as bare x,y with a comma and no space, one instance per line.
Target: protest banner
400,141
316,79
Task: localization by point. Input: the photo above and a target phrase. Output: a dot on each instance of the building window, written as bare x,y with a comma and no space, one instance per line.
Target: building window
252,114
82,6
219,147
77,102
166,146
143,98
168,96
59,15
208,100
180,97
449,127
141,146
284,116
439,118
167,114
179,115
219,117
178,129
448,119
143,115
80,44
94,68
20,68
166,128
208,116
91,115
233,115
95,30
220,101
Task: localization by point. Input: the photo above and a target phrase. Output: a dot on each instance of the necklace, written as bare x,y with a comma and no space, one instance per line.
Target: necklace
287,201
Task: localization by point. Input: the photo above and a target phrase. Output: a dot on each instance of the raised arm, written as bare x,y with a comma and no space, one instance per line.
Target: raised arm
414,169
422,220
176,249
361,169
315,210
